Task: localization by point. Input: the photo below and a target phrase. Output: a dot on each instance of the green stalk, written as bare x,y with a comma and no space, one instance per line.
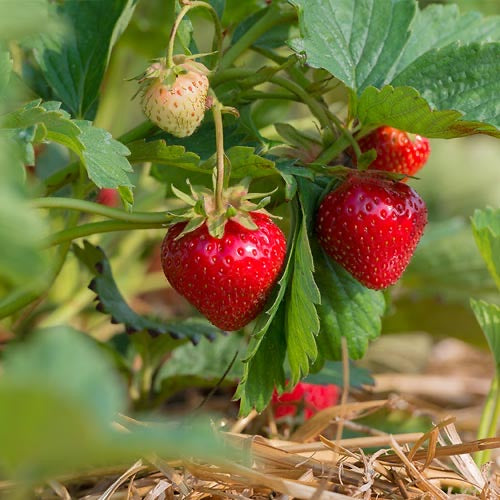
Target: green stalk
316,108
138,132
227,75
21,298
294,72
333,150
98,209
345,132
218,31
273,17
256,94
219,143
489,418
66,236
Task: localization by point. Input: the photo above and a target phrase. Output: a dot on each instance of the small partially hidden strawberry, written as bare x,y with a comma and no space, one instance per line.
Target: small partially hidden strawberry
228,279
396,150
312,397
175,98
109,197
371,226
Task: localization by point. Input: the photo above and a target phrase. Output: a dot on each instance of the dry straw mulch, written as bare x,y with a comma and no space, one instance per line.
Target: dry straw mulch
434,465
313,461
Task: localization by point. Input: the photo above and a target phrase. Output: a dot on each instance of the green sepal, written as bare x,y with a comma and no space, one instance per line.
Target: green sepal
216,225
245,220
169,78
183,196
203,208
192,225
366,158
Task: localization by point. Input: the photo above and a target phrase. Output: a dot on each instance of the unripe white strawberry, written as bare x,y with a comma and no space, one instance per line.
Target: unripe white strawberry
175,99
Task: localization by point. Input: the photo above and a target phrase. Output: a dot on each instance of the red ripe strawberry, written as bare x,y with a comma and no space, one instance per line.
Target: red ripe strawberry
371,227
396,151
227,279
313,397
109,197
175,99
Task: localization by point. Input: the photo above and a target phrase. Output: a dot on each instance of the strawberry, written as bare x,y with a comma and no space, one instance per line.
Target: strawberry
313,397
371,226
228,279
109,197
175,98
396,152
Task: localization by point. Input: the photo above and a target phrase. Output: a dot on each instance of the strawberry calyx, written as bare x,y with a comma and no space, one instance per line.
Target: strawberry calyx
158,71
236,206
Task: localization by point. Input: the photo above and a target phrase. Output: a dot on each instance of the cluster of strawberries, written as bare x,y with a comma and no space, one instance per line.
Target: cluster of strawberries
369,224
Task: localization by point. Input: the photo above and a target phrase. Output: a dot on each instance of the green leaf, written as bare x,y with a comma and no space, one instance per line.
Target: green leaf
486,229
56,123
159,152
74,58
202,365
347,309
447,80
405,109
202,142
170,164
103,157
242,160
20,19
272,38
111,301
244,163
5,69
263,364
302,322
236,10
333,373
263,369
58,398
358,41
21,260
437,26
369,43
488,317
53,354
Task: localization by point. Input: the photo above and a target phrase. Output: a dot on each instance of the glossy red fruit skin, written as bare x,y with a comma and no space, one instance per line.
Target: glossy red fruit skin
229,279
371,227
396,152
109,197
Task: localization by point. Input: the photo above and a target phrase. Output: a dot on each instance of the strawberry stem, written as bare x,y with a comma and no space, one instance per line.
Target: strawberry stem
219,144
332,151
98,209
218,31
66,236
489,418
22,297
345,132
316,108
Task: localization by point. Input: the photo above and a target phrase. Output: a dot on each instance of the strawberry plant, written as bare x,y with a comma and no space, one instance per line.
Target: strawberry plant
262,166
